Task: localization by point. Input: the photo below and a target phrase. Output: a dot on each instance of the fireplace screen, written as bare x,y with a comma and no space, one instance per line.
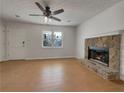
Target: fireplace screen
100,55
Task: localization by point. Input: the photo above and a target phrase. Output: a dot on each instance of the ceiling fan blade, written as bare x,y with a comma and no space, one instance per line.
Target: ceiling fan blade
57,19
39,6
58,11
35,15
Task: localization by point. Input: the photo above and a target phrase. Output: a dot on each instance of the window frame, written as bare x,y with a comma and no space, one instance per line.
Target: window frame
52,40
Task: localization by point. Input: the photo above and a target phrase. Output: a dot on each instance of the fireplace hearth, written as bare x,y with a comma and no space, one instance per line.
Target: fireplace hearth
100,55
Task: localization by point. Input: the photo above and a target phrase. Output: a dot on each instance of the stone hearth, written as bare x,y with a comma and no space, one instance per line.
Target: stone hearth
113,44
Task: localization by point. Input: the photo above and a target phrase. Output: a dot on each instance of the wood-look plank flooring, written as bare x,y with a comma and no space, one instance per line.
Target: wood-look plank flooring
60,75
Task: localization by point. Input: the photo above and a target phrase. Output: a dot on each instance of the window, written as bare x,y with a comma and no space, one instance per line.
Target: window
57,39
52,39
47,39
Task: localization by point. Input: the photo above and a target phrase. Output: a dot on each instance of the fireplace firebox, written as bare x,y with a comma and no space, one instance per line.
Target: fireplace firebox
100,55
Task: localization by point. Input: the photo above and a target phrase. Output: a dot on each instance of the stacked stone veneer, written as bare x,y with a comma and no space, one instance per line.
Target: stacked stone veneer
111,42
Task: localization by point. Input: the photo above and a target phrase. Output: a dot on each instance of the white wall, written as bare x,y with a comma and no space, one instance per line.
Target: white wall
122,57
2,42
110,21
34,48
2,36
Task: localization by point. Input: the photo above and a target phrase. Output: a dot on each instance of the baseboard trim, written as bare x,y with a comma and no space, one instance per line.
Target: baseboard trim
1,61
17,60
51,58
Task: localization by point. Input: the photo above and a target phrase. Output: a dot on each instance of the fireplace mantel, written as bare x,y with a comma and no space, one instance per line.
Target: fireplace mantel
113,44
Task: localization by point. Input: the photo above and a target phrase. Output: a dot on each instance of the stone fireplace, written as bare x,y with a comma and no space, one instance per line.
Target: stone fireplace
102,55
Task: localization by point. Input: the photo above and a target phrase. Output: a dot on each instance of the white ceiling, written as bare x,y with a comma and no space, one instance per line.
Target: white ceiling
77,11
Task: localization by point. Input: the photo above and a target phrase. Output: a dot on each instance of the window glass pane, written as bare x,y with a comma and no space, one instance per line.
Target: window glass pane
57,39
47,39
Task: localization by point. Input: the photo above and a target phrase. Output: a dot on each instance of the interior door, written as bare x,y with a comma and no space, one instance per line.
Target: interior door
16,45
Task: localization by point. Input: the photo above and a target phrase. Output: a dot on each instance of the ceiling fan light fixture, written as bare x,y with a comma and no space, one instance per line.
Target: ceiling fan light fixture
49,15
45,19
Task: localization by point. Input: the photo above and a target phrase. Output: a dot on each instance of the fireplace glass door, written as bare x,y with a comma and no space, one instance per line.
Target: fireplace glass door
100,55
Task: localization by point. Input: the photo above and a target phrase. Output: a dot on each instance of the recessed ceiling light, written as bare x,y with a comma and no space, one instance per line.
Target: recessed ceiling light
69,21
17,16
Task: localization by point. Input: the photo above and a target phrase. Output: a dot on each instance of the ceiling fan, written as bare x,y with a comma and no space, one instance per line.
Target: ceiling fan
47,13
